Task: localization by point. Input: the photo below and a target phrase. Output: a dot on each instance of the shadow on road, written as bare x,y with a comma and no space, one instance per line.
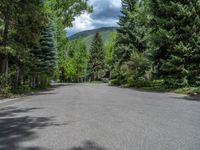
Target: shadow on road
15,128
50,90
88,145
189,98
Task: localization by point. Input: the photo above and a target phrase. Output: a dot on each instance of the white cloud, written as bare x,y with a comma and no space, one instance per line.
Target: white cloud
105,14
83,22
115,3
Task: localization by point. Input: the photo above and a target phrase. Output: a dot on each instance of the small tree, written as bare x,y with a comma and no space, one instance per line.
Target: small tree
136,67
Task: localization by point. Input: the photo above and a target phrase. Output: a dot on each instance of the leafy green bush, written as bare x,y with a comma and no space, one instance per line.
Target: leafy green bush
5,88
114,82
189,90
136,67
143,83
22,89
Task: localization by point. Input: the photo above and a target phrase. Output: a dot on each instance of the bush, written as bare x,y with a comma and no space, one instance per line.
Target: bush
136,67
22,89
189,90
114,82
143,83
5,90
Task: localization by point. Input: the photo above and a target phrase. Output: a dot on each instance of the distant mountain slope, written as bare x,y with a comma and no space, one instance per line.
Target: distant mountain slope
91,32
87,36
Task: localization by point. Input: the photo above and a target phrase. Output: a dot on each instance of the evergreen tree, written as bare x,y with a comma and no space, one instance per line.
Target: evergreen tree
131,34
176,35
96,59
124,44
45,56
192,42
48,49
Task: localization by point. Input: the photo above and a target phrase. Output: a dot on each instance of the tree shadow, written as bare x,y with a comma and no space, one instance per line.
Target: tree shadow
15,128
88,145
189,98
50,90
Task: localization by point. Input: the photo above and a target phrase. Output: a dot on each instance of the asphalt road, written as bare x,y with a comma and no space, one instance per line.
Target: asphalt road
99,117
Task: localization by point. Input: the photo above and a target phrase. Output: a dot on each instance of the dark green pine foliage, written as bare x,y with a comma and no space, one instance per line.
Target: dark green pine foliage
96,62
125,36
192,42
45,52
48,49
176,37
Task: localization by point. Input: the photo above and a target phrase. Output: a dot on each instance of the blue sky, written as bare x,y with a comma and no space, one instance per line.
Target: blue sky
105,14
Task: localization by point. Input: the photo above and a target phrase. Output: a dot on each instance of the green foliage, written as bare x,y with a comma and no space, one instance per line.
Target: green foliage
137,67
48,50
96,64
23,89
114,82
108,50
28,41
175,36
132,41
124,41
144,83
76,60
5,88
189,90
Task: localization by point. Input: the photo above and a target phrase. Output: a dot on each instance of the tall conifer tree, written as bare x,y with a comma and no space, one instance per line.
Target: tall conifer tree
124,45
96,62
175,38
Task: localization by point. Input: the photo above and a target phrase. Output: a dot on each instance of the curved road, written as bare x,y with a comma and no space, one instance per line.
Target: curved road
99,117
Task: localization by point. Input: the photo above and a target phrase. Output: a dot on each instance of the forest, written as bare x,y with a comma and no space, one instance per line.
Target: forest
156,46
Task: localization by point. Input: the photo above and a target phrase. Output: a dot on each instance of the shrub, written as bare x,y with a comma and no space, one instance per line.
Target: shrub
5,88
136,67
22,89
114,82
143,83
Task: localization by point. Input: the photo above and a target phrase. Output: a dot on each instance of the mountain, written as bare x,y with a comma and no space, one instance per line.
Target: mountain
91,32
88,35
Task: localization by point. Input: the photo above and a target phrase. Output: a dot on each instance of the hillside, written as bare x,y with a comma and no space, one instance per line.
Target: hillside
87,36
91,32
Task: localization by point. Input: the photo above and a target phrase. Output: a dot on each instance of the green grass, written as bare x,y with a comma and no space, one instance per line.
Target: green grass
188,90
158,86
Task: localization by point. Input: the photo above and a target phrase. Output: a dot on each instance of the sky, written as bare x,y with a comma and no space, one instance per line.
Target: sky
105,14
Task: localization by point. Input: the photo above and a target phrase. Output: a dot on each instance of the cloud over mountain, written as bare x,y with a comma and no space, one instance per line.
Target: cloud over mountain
105,14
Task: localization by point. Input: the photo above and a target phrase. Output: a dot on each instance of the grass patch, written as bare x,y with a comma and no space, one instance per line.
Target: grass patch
158,86
188,90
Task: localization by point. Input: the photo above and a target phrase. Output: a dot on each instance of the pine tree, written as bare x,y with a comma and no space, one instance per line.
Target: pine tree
44,56
124,45
96,59
131,34
48,49
192,43
174,38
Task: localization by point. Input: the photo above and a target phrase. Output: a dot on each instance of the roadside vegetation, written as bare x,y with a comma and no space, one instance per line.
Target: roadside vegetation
33,41
156,47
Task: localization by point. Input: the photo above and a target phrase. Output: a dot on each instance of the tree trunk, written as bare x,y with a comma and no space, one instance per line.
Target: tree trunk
4,61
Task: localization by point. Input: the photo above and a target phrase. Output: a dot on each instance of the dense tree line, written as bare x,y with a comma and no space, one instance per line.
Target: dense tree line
32,40
158,39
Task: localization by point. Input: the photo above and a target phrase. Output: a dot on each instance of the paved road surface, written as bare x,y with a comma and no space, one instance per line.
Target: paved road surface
99,117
